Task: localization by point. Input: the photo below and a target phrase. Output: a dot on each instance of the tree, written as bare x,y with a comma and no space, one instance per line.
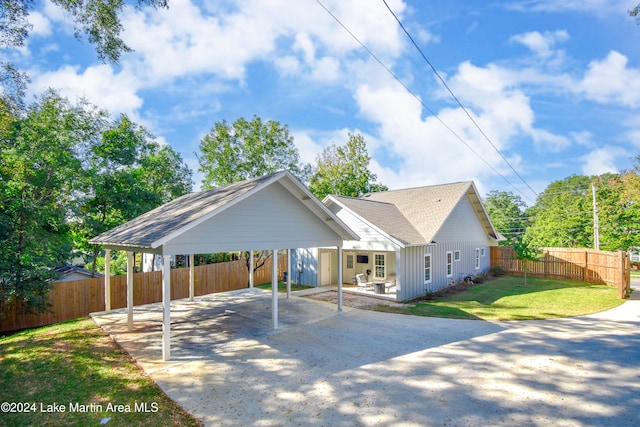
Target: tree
506,211
244,150
38,177
126,173
526,252
617,199
635,12
344,170
98,20
563,214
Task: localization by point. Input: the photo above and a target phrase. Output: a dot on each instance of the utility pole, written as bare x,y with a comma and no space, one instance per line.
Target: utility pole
596,234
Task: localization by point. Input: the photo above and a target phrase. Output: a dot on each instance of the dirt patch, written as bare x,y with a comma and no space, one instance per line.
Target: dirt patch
353,300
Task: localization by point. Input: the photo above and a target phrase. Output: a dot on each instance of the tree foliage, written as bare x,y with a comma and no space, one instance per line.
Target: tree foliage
38,174
66,173
127,173
506,211
563,215
635,12
247,149
97,20
344,170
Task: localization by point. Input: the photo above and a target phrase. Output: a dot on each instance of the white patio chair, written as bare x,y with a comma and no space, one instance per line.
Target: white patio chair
361,282
390,283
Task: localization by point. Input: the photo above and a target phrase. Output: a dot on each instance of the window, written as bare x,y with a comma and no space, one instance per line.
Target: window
350,261
427,268
449,264
481,251
477,258
456,255
379,266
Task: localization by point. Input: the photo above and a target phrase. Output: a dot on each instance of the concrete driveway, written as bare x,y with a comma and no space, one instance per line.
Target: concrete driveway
361,367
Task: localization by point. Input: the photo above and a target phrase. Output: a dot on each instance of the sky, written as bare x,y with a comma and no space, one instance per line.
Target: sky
536,90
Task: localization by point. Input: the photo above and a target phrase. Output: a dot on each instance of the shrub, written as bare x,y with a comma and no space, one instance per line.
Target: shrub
496,271
479,278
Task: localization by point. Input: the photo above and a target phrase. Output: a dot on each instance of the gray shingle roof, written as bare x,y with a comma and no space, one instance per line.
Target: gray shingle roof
170,217
386,216
415,215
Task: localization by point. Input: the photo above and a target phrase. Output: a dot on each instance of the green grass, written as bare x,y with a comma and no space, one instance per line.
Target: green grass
282,287
75,363
635,273
507,298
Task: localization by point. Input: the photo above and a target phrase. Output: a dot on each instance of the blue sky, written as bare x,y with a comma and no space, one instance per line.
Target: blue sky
555,85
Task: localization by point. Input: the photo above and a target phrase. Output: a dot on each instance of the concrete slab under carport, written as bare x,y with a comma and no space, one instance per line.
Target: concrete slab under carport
361,367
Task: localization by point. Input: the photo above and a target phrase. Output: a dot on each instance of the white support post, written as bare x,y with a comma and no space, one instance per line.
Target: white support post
339,277
166,307
274,289
107,280
192,277
288,273
251,269
129,291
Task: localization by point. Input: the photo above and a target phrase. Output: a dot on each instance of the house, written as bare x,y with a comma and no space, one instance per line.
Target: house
418,239
69,272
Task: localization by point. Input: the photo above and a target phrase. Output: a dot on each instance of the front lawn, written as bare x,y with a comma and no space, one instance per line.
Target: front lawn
71,373
507,298
282,287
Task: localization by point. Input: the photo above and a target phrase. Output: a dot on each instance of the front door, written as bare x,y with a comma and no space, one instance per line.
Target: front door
349,267
325,268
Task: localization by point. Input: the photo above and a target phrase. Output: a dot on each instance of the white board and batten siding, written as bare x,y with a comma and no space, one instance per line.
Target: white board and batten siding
270,219
462,235
411,264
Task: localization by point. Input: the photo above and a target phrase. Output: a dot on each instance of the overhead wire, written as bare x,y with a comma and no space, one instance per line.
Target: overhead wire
444,83
437,117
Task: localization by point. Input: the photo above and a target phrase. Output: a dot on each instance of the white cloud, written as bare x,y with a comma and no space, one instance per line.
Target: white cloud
611,81
41,24
185,41
98,84
599,7
427,151
633,137
601,160
542,44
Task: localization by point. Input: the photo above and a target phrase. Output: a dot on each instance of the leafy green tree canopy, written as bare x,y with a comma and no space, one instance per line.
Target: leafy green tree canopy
247,149
563,214
506,211
127,173
344,170
98,20
39,172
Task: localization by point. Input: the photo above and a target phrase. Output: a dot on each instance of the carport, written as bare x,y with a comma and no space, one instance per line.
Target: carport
272,212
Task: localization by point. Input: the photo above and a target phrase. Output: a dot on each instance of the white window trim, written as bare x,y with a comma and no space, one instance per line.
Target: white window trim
430,268
459,255
477,258
482,251
449,265
384,266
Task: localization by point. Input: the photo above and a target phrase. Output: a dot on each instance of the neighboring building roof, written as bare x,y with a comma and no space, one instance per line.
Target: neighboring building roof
68,270
154,228
414,216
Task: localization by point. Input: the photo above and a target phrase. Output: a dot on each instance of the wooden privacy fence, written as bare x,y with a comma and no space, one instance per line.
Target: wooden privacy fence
586,265
80,297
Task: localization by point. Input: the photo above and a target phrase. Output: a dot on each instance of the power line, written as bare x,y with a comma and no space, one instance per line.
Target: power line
421,101
457,100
